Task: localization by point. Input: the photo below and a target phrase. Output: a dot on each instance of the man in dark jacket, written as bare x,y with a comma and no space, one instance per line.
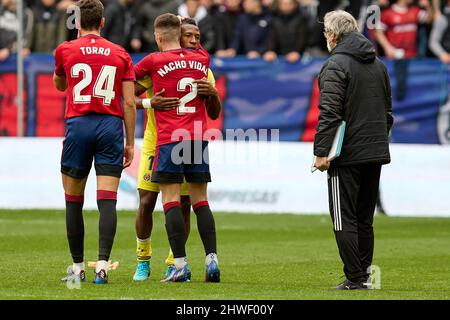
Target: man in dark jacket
252,30
120,24
354,87
288,33
226,21
148,12
49,27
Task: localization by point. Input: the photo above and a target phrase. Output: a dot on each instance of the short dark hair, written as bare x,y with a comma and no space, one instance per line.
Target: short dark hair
167,21
91,14
169,25
189,21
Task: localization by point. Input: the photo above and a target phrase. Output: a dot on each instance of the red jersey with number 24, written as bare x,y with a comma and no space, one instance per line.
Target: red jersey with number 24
95,69
174,71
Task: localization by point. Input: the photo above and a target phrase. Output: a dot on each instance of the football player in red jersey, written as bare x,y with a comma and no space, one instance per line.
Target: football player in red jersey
399,24
181,150
96,74
148,191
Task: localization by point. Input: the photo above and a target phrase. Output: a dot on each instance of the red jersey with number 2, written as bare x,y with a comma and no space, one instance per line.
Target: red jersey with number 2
95,69
174,71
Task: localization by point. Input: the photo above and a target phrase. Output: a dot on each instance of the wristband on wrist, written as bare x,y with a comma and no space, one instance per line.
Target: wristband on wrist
147,103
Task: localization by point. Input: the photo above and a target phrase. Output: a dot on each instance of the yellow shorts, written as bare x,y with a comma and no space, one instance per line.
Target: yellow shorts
145,171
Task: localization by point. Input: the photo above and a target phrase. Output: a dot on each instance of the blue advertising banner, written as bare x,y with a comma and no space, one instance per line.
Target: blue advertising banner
256,95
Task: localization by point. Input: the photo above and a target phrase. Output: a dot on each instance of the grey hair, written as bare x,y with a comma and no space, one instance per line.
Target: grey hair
340,22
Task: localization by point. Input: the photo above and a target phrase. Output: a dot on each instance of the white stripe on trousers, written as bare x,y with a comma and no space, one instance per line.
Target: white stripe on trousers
333,199
336,200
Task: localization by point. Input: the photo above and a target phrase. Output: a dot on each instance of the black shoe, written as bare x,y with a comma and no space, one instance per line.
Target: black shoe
101,277
350,285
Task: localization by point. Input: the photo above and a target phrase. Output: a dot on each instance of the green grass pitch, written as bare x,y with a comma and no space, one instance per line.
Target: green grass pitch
261,257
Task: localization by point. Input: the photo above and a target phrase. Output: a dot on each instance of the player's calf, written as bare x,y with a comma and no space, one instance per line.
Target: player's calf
75,227
206,226
175,229
207,229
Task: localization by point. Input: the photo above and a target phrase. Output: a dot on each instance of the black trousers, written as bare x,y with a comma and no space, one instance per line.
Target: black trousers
352,193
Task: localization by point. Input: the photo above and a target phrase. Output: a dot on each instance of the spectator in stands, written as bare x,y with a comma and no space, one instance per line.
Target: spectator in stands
49,28
398,37
252,31
120,24
270,5
309,9
63,6
384,3
309,6
369,22
29,3
354,7
399,23
211,6
440,35
226,21
424,31
315,10
9,24
194,10
288,33
146,17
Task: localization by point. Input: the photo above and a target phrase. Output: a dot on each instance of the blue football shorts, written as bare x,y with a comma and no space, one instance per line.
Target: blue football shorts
185,159
96,137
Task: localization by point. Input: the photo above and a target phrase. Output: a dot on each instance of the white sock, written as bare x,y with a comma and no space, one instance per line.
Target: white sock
77,267
211,257
180,262
144,240
102,265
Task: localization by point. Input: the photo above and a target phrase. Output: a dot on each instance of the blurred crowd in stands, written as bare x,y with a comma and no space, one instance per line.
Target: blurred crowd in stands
255,28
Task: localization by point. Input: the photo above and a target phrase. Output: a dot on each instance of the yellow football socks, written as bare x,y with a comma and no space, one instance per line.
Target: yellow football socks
170,260
144,249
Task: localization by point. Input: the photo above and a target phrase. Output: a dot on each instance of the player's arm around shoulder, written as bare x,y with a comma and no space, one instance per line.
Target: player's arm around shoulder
156,100
207,89
143,82
140,87
145,67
